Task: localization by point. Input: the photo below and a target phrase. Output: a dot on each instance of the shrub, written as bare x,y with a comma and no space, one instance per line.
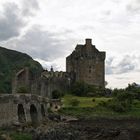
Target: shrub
80,89
84,89
93,100
91,94
56,94
118,106
102,103
122,96
74,102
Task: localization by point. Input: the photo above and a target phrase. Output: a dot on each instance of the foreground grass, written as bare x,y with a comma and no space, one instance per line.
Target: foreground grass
20,136
91,109
13,135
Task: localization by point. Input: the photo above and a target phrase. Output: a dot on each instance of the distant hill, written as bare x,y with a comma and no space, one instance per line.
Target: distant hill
12,61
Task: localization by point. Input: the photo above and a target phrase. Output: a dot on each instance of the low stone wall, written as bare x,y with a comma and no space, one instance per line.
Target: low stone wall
22,108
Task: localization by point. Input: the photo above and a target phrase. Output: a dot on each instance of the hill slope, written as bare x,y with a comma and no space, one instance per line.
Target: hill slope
12,61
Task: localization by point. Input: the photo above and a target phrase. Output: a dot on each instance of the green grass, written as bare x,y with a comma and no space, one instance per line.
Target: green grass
13,135
89,109
84,101
21,136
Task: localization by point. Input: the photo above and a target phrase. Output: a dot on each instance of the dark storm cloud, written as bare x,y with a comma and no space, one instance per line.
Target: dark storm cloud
124,65
11,22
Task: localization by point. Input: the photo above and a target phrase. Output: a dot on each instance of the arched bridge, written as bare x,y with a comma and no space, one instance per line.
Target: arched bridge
22,108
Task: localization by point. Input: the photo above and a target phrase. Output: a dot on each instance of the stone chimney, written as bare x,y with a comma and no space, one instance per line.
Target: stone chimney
88,42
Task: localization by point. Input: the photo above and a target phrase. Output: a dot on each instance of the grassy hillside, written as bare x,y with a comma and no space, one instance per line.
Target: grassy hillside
12,61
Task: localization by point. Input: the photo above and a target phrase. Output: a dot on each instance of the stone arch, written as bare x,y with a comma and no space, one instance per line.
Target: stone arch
21,114
34,114
42,111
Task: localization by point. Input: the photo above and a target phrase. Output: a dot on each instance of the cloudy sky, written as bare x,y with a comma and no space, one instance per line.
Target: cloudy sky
49,30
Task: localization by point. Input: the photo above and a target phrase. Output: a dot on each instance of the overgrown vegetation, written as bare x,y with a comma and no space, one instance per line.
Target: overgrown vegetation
10,63
123,98
84,89
101,107
121,103
20,136
56,94
74,102
9,134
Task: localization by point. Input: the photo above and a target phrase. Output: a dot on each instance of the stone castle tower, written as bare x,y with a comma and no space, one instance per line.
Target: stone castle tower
87,63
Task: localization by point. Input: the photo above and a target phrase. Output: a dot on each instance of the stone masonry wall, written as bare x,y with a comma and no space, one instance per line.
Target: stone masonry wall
11,113
87,63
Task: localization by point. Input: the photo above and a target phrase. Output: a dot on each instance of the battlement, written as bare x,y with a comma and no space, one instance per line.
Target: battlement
54,74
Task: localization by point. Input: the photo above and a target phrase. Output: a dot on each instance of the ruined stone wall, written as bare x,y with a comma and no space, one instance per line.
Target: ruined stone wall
21,80
87,63
7,110
54,81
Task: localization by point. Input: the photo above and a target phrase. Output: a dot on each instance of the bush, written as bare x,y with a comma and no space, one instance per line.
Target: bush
118,106
74,102
56,94
125,96
84,89
91,94
80,89
102,103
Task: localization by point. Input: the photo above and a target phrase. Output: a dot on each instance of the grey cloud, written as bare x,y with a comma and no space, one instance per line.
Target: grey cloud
133,6
11,24
40,44
109,68
126,64
29,6
122,78
13,19
106,12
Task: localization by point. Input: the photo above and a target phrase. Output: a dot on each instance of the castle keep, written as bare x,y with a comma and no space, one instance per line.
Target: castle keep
32,95
84,64
87,64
